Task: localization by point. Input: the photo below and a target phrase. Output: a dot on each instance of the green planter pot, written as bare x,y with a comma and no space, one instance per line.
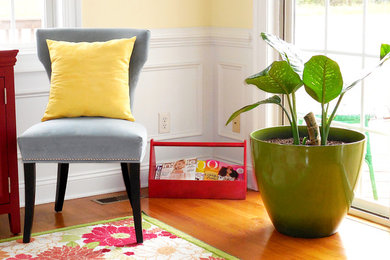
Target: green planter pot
307,190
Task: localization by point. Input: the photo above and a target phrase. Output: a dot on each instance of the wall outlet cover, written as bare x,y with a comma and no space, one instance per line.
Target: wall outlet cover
164,122
236,125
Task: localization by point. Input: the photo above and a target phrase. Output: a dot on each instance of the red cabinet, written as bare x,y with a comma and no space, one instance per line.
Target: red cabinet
9,185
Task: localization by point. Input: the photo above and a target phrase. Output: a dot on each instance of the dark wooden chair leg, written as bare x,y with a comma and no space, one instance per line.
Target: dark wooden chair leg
126,180
62,179
29,184
134,174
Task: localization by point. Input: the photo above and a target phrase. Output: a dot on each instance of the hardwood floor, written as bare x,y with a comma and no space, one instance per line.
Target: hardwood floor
239,227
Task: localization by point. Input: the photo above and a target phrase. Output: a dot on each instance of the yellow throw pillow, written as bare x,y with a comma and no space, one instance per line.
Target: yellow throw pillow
89,79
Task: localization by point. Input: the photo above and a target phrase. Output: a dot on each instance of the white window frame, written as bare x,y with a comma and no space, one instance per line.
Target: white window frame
57,14
377,213
266,18
62,13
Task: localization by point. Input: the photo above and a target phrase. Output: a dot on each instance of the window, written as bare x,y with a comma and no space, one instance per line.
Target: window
19,20
351,32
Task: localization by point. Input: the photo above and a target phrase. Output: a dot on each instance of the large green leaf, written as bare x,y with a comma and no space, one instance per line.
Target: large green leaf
366,72
322,79
385,49
272,100
287,51
278,78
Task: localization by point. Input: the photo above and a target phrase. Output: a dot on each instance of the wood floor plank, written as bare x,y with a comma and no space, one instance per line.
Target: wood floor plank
239,227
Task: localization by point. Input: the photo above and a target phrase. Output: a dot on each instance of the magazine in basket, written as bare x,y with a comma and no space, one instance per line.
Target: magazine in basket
183,169
217,170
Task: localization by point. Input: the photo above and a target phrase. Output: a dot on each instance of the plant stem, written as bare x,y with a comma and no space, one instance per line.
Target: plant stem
294,104
327,108
285,111
294,125
333,115
323,125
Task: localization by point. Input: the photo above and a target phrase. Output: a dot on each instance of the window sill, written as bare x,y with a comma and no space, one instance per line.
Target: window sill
370,219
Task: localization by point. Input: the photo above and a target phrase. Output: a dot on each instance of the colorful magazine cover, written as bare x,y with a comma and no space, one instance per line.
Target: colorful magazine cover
211,170
216,170
229,172
183,169
200,167
158,171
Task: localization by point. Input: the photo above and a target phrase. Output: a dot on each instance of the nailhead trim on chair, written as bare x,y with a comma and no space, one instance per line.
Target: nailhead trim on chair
74,159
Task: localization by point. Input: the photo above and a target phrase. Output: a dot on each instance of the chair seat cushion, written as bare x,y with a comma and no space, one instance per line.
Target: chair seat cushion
84,139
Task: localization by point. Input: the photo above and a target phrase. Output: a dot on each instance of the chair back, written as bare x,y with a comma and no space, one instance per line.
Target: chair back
138,57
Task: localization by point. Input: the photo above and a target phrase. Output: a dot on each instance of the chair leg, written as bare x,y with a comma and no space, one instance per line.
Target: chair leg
134,193
29,183
126,180
62,178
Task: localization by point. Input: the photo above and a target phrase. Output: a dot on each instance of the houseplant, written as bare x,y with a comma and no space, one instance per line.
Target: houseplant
307,187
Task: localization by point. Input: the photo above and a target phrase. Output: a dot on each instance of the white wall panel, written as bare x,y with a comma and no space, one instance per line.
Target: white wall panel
230,97
174,88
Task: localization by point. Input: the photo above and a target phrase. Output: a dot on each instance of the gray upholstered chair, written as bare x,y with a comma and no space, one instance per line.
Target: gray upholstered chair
86,139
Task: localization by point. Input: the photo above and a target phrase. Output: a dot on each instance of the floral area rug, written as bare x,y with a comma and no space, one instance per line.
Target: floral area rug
111,239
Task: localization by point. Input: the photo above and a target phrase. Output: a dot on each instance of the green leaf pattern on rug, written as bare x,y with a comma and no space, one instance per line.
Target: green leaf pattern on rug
70,238
146,225
72,244
92,245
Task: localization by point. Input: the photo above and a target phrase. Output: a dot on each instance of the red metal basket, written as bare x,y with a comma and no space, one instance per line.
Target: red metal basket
195,189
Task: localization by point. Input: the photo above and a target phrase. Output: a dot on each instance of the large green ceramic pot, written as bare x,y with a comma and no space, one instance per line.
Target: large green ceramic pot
307,190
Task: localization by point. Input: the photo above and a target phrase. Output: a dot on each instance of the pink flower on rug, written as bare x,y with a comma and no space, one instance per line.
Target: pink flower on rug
115,236
21,256
71,253
167,234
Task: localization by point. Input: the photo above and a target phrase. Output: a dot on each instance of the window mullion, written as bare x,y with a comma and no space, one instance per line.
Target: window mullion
362,100
12,22
326,27
49,14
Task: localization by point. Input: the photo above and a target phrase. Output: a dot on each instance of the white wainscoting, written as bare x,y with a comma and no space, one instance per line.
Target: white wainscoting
177,89
191,73
233,63
230,97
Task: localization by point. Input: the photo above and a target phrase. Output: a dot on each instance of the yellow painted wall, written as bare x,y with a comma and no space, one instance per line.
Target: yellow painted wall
145,13
167,13
231,13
